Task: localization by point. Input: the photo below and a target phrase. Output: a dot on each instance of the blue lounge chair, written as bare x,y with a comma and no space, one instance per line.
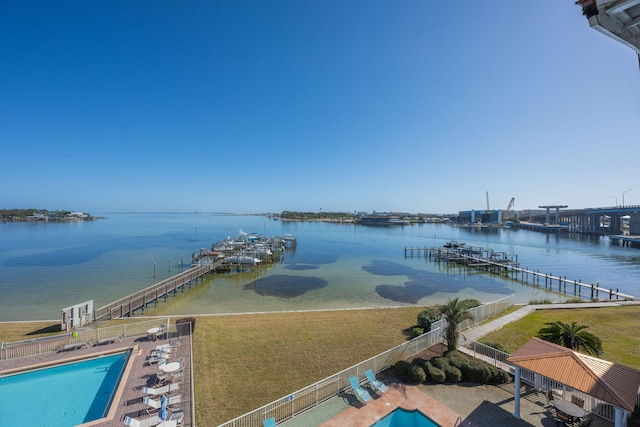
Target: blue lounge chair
270,422
362,394
375,383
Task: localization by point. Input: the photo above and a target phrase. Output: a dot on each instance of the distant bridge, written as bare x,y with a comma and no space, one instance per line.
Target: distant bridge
607,220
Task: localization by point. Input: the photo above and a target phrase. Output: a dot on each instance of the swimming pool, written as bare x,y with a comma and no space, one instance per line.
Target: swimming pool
63,395
403,418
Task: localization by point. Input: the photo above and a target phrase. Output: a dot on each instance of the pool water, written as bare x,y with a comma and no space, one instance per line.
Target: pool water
63,395
403,418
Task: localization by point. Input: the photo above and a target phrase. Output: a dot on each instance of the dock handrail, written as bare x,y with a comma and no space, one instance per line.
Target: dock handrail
460,257
142,297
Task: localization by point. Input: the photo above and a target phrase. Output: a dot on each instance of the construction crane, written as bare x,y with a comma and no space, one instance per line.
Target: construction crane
505,215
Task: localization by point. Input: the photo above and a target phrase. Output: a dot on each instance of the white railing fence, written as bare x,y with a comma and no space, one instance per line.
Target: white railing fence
490,355
313,395
11,350
486,311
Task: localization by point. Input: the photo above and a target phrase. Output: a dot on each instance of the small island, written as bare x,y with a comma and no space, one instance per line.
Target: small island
21,215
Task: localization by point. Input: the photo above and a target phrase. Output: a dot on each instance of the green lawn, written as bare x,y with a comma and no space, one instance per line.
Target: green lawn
18,331
242,362
617,327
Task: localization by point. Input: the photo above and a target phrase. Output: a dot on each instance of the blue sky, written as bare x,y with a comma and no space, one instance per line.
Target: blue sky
265,106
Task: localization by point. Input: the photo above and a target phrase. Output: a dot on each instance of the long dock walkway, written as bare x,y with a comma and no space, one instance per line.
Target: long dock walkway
152,294
500,263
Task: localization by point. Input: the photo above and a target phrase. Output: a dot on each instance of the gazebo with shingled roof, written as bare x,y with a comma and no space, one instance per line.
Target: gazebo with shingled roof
606,381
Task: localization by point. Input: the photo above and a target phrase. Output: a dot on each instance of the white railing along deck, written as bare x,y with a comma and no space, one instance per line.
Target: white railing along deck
11,350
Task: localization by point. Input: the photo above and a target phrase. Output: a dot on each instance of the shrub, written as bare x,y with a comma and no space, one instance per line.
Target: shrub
416,332
456,359
500,377
470,303
453,374
436,374
440,362
402,367
417,374
420,362
472,370
427,317
453,367
476,372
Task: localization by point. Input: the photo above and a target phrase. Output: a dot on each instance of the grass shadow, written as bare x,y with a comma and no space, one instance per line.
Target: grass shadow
52,329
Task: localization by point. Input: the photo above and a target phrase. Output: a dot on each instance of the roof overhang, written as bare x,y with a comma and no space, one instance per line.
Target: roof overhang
612,383
618,19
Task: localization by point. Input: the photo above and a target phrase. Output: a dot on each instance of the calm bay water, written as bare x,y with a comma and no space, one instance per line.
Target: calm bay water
45,267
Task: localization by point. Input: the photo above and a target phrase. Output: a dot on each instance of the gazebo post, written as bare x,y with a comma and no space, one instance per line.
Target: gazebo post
618,387
620,417
537,381
516,394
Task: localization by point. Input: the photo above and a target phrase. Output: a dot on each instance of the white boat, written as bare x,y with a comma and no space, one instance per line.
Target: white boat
244,260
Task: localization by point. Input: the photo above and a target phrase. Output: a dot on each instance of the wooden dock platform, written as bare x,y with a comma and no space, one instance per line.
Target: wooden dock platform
502,264
626,240
205,262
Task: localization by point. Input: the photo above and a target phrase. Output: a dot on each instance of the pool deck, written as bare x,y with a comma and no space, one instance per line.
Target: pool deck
128,400
398,396
476,405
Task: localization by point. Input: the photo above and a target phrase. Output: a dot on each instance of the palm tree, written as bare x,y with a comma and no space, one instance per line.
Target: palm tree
572,336
454,313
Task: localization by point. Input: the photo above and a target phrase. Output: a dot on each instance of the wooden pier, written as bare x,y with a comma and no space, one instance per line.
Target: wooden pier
500,263
154,293
205,262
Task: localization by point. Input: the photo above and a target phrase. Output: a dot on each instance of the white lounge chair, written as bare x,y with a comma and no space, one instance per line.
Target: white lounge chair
159,391
177,416
166,353
156,405
146,422
76,345
161,377
172,344
176,375
111,340
160,360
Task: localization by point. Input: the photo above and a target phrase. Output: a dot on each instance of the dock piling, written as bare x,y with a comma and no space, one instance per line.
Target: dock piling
494,263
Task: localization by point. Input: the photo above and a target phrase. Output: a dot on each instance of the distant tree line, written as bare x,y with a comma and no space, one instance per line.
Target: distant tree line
315,215
23,214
